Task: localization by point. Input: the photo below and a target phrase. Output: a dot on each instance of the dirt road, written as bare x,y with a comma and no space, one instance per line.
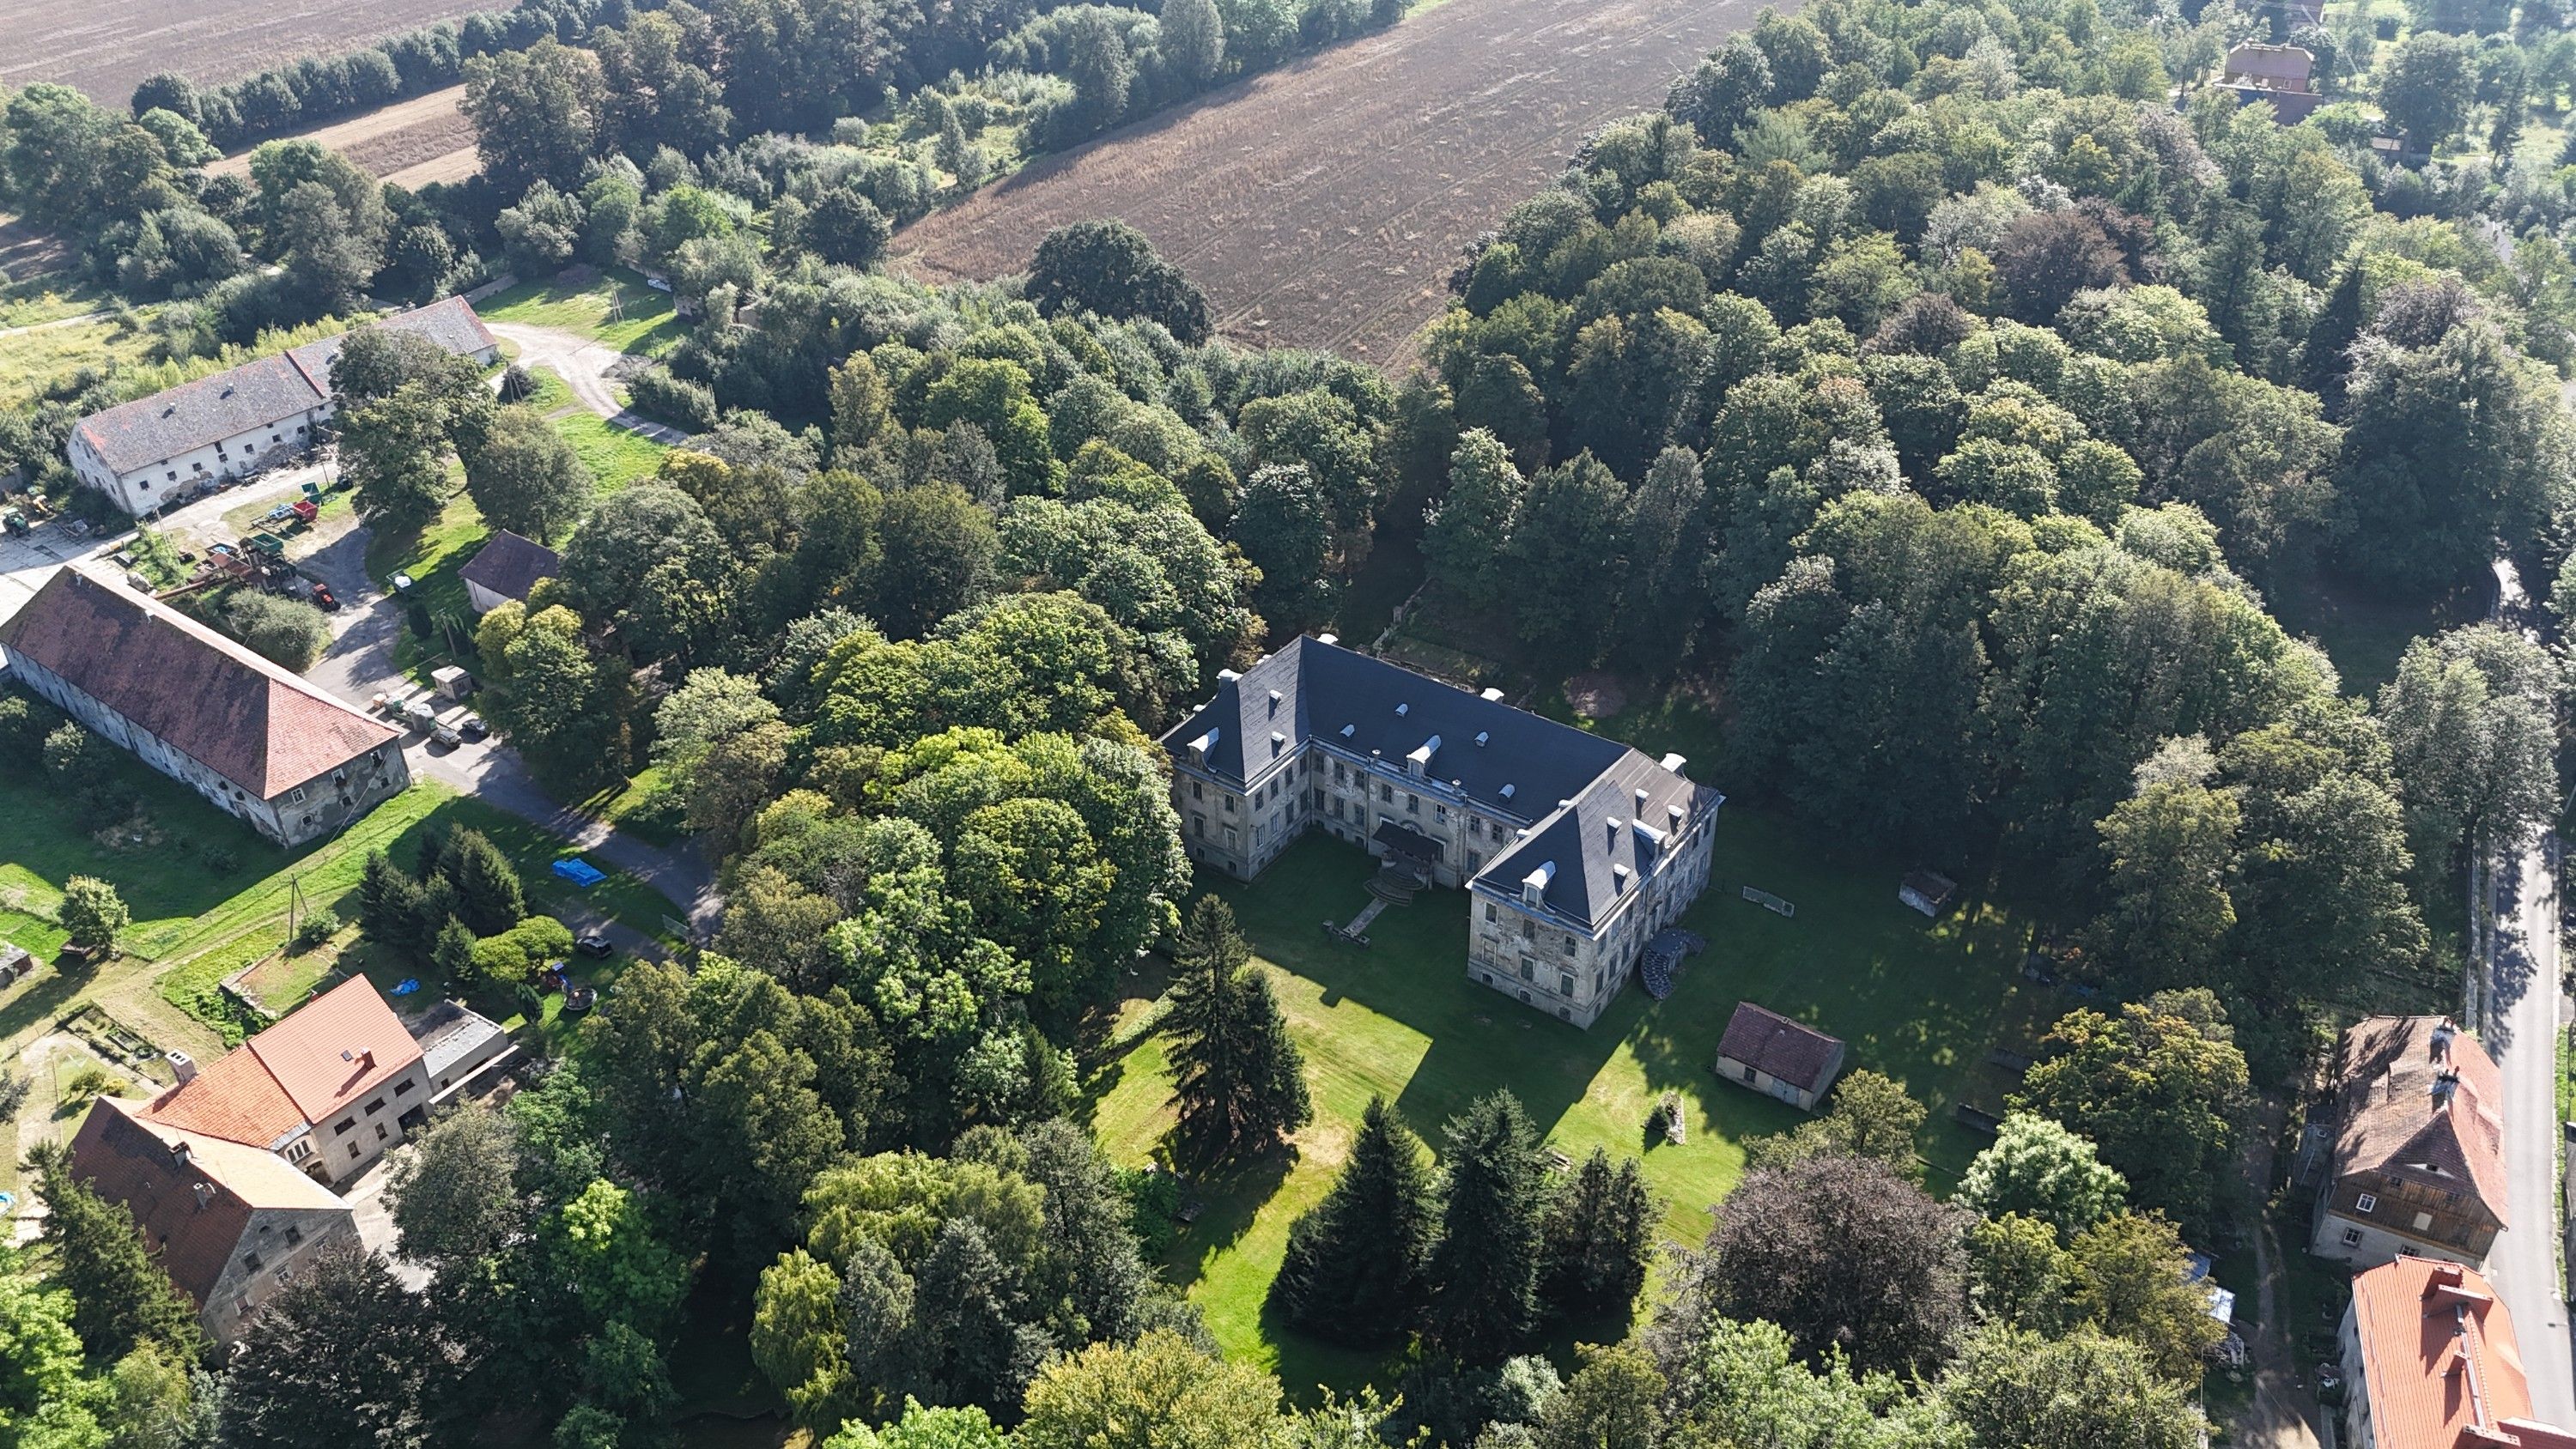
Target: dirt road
1324,204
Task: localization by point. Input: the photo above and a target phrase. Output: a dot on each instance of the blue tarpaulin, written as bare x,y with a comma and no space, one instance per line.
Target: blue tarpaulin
580,872
406,986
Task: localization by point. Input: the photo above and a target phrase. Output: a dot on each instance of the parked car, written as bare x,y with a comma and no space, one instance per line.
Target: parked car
445,735
592,943
473,727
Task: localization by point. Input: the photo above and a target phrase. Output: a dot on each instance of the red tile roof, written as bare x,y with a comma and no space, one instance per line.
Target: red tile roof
1785,1050
2399,1112
334,1048
241,716
233,1098
2439,1360
192,1209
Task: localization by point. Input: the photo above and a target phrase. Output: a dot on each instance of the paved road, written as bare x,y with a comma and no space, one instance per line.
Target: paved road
2519,1026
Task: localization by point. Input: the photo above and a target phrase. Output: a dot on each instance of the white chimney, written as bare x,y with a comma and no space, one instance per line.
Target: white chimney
1491,696
183,1068
1328,638
1674,763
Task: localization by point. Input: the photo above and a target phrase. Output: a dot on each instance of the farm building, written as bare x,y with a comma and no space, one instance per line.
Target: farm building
154,452
2418,1165
1771,1054
1575,850
506,568
231,1172
257,741
2430,1359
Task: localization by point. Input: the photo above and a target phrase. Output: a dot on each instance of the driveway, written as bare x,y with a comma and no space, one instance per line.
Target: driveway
583,363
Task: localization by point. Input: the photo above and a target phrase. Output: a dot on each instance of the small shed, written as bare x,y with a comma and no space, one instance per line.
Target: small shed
506,568
453,681
1927,891
1766,1052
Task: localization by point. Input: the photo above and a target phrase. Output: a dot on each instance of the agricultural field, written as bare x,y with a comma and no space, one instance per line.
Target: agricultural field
411,139
107,47
1323,204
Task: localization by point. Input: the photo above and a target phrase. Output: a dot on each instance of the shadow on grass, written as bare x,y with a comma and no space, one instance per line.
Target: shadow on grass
1228,1197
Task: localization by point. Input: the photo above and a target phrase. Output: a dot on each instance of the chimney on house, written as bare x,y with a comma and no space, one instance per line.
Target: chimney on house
183,1068
2445,1083
1674,763
179,1155
1328,638
2443,1031
204,1193
1228,676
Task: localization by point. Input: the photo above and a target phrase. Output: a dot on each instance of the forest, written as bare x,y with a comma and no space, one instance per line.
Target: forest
1921,384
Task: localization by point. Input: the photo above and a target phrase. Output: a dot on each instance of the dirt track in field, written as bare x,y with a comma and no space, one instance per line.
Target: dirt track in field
1324,204
107,47
408,137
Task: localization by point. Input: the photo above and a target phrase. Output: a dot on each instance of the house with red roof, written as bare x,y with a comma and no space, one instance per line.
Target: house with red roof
249,735
2418,1162
1766,1052
230,1174
2430,1362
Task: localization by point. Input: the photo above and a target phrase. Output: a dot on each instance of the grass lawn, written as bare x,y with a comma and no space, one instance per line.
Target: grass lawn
2364,629
1920,1001
644,320
645,807
547,391
435,556
614,456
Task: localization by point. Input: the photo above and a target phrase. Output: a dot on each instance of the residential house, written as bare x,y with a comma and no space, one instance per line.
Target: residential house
1766,1052
154,452
1574,849
231,1223
2418,1163
2281,75
2430,1362
253,738
506,568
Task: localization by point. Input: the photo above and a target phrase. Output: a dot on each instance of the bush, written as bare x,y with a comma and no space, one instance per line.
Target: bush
219,859
315,929
92,912
288,631
78,761
89,1084
655,393
25,721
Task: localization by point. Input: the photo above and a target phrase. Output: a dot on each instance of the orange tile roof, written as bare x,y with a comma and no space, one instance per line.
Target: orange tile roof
232,1097
336,1047
2392,1120
2440,1362
249,720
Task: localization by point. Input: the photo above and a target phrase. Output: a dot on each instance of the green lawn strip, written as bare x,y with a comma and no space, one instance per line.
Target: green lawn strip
645,322
645,807
614,456
2363,628
434,555
549,391
1920,1001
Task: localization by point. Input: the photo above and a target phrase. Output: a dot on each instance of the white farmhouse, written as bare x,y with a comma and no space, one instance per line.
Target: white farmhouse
256,740
150,453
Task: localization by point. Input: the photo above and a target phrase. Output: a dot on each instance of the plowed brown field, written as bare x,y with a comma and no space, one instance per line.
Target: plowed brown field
106,47
1324,204
400,139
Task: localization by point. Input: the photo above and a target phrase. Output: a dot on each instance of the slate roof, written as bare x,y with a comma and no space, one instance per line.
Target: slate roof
509,565
1566,785
241,716
1779,1048
2440,1362
192,415
257,394
128,1159
2391,1121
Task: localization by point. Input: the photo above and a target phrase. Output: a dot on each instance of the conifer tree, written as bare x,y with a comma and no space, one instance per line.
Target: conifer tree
1599,1237
1354,1268
452,951
1484,1273
2327,354
121,1299
486,883
1238,1079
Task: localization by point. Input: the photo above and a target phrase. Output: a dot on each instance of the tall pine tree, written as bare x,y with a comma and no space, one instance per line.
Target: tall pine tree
1484,1273
121,1299
1599,1237
1353,1272
1238,1080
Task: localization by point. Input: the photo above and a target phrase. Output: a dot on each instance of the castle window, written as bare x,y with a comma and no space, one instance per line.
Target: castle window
1564,983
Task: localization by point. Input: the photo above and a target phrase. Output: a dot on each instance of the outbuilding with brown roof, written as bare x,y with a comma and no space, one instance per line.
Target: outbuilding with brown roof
247,734
1771,1054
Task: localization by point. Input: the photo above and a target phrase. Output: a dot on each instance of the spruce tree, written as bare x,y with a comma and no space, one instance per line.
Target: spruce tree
121,1299
452,951
1238,1079
1484,1273
487,884
2327,354
1354,1268
388,900
1600,1237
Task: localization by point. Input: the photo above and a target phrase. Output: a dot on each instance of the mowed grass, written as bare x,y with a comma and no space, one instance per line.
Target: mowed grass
614,456
2364,629
434,555
614,306
1923,1002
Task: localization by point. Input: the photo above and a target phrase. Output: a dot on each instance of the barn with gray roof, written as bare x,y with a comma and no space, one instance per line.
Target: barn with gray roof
1576,849
154,452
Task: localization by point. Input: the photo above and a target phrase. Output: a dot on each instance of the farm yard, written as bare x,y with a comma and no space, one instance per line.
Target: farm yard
107,47
1323,204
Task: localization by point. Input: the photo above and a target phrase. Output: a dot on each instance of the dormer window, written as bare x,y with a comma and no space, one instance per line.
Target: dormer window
1402,710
